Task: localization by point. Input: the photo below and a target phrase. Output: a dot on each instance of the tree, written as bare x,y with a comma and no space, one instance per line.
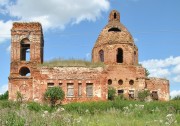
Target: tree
176,97
143,94
54,94
111,93
147,72
4,96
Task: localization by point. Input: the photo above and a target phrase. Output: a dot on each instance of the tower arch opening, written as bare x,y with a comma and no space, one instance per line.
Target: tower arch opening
119,56
101,55
24,71
114,15
25,50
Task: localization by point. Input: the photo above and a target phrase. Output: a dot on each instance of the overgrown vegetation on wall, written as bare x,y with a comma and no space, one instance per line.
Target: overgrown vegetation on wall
71,63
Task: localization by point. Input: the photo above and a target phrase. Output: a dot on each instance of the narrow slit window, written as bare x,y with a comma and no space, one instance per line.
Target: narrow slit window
101,55
115,16
119,55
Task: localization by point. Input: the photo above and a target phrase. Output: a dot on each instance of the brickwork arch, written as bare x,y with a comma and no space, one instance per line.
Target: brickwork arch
25,49
24,71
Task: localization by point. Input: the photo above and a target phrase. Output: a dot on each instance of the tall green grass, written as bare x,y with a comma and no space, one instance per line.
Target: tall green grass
71,63
101,113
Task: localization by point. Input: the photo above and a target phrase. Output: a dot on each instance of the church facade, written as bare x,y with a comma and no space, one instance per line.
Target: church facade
114,47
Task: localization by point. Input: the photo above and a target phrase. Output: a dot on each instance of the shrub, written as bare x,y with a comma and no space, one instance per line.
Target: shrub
19,97
33,106
143,94
111,93
4,96
54,94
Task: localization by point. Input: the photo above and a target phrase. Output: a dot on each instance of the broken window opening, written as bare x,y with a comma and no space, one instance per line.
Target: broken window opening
89,89
131,94
25,50
50,85
114,29
119,55
115,15
154,95
60,85
24,71
120,82
120,92
70,89
109,81
79,89
101,55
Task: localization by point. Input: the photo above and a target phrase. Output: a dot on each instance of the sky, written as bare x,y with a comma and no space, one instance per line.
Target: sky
71,28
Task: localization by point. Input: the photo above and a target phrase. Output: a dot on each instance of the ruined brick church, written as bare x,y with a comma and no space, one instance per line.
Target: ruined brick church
114,47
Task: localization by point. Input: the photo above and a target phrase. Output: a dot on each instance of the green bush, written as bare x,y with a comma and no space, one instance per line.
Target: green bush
4,96
19,97
143,94
111,93
34,106
54,94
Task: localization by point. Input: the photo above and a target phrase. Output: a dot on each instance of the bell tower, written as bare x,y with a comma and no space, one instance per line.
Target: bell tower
26,47
26,53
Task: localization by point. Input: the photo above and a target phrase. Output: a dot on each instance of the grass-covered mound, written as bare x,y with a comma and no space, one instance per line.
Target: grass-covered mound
71,63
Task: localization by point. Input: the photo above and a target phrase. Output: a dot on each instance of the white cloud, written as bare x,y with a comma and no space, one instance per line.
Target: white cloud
160,63
5,30
159,72
176,69
3,88
176,78
3,2
174,93
58,13
136,39
164,68
51,14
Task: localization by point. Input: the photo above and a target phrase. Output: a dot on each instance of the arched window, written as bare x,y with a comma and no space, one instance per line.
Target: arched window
24,71
115,15
25,50
119,56
101,55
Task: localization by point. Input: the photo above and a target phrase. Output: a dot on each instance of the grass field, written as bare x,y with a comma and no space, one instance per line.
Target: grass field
110,113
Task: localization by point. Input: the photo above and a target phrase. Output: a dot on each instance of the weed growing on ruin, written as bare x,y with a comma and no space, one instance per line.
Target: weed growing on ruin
71,63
